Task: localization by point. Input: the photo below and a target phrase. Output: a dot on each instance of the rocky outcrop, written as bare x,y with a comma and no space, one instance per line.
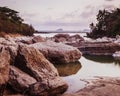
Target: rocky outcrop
58,52
102,86
67,38
25,70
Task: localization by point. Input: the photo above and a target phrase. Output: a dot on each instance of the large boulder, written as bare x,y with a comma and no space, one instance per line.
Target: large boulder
58,52
4,67
32,62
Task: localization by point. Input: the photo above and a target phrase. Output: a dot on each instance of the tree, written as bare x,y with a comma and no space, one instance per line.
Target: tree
11,22
108,24
10,14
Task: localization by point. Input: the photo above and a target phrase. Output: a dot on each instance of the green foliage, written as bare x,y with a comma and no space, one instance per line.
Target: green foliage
108,24
10,22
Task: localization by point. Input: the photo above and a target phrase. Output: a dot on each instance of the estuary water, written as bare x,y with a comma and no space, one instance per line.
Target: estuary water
86,68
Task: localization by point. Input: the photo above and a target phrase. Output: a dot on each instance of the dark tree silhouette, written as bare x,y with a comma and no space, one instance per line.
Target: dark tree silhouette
108,24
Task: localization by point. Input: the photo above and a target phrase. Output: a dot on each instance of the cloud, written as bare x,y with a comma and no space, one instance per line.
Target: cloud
109,0
58,23
108,7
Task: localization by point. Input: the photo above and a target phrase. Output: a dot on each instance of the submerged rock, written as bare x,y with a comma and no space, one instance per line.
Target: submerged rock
58,52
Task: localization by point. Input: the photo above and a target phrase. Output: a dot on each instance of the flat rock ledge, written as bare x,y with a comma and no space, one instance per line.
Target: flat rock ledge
96,47
101,86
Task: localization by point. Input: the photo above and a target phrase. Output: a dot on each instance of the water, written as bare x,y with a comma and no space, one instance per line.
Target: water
86,68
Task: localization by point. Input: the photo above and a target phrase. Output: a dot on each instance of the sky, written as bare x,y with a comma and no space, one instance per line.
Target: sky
59,14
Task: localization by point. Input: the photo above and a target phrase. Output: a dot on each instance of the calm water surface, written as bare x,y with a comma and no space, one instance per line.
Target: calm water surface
86,68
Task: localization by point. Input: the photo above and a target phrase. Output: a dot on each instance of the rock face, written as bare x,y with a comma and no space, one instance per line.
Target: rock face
4,67
35,64
67,38
58,52
103,86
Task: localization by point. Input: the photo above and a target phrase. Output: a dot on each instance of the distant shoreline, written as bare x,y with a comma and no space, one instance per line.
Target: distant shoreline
60,32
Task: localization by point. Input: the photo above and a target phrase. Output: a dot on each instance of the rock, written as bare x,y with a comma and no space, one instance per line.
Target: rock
58,52
29,40
7,42
23,39
67,38
52,89
76,38
97,48
61,37
4,67
117,39
102,86
19,80
105,39
37,39
9,91
11,47
32,62
116,55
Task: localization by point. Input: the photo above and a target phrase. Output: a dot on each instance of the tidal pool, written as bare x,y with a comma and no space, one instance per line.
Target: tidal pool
86,68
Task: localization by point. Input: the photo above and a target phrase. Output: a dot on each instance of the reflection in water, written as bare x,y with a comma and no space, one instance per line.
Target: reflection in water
91,66
103,59
68,69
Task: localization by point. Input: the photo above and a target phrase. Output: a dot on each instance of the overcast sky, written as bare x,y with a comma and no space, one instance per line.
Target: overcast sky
55,14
